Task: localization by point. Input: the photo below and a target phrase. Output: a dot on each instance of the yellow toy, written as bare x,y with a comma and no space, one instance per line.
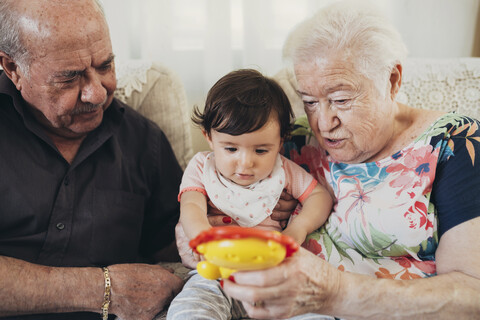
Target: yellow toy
230,249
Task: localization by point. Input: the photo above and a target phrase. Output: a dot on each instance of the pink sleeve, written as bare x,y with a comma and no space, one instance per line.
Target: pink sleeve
299,183
192,176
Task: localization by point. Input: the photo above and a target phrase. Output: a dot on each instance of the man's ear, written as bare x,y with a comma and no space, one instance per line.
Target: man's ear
395,80
208,137
11,69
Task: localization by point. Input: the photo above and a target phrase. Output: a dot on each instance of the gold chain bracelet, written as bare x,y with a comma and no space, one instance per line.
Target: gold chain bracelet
106,296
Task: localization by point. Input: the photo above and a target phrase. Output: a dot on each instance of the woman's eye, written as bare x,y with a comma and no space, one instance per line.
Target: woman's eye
309,104
341,101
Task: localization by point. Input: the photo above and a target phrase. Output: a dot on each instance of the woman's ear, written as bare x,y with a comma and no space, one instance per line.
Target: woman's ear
395,80
208,137
11,69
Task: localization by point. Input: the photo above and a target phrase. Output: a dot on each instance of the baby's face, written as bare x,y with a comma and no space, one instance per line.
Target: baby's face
247,158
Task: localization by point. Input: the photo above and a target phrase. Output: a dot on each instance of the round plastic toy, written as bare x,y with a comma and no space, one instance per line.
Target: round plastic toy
230,249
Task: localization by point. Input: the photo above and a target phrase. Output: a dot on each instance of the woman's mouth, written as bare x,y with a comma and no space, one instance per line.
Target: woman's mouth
333,143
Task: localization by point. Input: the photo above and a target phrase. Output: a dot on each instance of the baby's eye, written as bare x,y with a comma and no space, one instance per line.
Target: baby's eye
230,149
261,151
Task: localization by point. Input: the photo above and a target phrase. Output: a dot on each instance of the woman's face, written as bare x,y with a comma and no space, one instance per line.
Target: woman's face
349,117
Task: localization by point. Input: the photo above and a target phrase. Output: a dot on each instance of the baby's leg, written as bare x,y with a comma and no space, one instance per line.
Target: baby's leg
200,299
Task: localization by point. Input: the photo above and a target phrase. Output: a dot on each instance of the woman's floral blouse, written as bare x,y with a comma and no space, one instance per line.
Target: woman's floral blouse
389,214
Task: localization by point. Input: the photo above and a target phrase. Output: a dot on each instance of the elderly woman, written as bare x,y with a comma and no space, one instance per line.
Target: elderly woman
402,241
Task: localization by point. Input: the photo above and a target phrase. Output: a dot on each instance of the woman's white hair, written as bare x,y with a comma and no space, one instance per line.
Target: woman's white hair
353,30
11,33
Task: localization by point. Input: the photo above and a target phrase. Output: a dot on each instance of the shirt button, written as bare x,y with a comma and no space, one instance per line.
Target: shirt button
66,181
60,226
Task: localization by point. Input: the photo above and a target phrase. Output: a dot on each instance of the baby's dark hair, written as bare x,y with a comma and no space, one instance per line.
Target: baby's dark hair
242,102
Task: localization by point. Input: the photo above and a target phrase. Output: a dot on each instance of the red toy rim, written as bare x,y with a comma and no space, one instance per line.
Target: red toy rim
235,232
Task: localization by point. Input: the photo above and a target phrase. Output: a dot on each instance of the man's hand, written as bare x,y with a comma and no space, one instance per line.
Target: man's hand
141,291
284,208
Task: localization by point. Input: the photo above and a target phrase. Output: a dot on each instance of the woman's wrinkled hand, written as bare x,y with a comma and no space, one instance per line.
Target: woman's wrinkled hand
301,284
141,291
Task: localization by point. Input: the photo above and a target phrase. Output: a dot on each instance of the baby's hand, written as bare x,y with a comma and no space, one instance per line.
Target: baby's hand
189,258
297,235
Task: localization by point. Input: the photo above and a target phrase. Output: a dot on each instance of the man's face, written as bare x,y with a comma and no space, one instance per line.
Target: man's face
71,77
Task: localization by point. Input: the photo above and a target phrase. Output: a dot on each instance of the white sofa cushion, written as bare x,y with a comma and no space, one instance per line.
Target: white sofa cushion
158,94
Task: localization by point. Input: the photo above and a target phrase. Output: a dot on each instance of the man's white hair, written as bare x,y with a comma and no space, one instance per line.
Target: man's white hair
11,42
353,30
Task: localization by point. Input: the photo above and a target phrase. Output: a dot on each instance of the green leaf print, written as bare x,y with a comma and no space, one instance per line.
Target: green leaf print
340,246
438,127
378,245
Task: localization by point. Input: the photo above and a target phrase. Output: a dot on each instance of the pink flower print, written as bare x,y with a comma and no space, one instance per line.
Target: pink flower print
313,246
416,169
417,216
246,204
361,197
313,159
268,210
216,196
250,215
281,182
264,205
408,262
260,198
237,218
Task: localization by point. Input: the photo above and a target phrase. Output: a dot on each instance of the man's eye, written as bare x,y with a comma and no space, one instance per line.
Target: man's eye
261,151
106,67
230,149
70,80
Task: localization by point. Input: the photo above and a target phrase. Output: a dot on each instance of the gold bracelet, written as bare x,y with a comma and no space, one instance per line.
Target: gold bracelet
106,296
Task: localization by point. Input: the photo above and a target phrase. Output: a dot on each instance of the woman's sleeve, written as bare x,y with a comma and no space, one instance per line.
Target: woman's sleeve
456,189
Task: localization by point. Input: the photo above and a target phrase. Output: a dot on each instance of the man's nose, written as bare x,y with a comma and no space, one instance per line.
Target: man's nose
93,90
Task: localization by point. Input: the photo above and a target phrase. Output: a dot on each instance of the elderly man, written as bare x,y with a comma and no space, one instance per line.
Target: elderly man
88,186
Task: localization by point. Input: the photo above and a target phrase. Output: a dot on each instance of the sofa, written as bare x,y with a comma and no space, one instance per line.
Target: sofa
156,92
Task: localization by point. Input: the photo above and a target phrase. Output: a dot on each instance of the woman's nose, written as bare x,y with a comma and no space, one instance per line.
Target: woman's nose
327,119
